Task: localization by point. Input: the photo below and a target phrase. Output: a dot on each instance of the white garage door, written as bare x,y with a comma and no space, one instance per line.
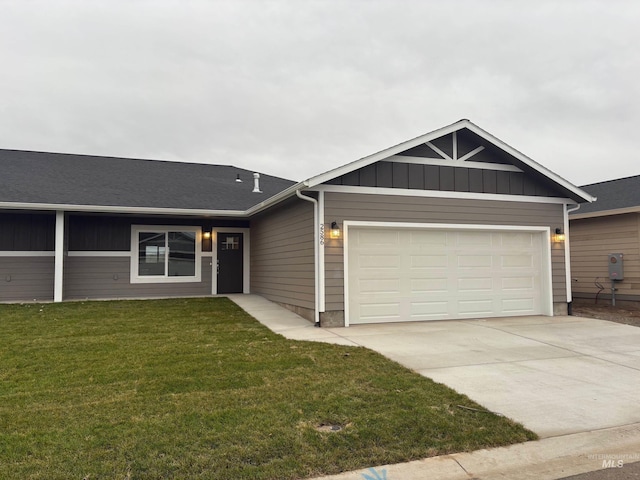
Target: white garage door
398,275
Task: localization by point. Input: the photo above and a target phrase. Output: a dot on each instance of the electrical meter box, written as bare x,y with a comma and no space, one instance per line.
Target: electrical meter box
616,266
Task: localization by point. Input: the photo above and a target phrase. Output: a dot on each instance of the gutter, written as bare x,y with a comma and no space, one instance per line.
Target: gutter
316,259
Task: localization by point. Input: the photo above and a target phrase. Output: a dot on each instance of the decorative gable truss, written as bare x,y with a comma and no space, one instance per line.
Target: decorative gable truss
457,161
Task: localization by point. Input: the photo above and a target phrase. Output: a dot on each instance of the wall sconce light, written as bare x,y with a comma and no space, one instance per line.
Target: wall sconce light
559,236
206,235
335,230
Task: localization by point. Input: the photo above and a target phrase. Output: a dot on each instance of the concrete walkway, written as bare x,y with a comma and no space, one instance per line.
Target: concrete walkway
574,381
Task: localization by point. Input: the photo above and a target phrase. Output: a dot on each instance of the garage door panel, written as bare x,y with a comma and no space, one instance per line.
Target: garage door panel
472,238
429,285
418,261
379,261
517,283
516,261
427,239
429,310
475,261
516,306
475,307
377,286
422,274
484,284
378,238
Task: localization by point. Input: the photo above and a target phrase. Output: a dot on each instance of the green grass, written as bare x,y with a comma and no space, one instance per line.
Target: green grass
197,388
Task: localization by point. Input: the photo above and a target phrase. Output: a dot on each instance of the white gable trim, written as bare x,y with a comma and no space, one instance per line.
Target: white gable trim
401,147
403,192
389,152
452,163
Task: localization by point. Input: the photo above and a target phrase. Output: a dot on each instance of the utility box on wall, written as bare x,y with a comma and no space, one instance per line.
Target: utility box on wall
616,266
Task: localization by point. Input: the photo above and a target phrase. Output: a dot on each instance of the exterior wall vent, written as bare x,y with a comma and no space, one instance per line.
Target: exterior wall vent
238,179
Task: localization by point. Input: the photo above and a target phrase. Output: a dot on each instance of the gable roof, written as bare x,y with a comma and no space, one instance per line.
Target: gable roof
40,180
512,156
615,197
119,184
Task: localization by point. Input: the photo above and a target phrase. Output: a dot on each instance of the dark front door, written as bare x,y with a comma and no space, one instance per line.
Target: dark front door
230,263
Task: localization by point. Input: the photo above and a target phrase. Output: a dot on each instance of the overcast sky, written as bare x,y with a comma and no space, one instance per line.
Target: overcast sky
295,88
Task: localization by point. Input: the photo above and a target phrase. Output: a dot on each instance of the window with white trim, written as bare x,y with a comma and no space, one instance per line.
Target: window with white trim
165,254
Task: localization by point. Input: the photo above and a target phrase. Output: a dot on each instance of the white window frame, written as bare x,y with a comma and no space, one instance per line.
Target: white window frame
135,257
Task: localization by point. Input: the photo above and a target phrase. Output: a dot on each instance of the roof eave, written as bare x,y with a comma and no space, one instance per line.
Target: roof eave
121,209
605,213
531,163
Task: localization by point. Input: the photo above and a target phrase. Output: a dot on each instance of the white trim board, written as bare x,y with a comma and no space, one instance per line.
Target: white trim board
441,194
88,253
545,231
26,253
452,163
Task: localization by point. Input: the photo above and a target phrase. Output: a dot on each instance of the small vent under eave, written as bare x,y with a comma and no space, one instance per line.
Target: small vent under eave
256,183
238,179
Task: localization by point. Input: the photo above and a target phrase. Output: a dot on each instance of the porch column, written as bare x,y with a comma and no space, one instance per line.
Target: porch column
59,257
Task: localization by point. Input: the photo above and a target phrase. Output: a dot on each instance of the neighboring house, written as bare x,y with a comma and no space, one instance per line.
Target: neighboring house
611,225
452,224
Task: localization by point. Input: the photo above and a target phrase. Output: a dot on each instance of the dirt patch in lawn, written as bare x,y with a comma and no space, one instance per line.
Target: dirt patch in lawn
627,313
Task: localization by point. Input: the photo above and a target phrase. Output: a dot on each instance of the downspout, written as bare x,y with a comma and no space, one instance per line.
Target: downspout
316,232
567,255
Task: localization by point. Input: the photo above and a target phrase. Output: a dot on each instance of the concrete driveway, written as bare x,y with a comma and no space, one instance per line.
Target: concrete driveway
555,375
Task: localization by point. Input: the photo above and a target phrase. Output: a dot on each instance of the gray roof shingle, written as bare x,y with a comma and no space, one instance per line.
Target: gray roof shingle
67,179
612,195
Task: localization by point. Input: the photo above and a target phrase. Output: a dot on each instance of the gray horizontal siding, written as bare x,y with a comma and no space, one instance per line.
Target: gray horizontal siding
282,254
108,277
592,240
444,178
387,208
26,278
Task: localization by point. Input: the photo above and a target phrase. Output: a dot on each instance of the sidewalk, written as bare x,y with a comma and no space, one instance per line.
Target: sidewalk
547,459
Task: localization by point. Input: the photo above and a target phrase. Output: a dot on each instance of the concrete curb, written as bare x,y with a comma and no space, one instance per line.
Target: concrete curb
546,459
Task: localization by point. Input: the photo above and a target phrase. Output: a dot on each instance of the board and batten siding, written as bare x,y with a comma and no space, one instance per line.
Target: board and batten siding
390,208
88,277
26,278
282,255
592,240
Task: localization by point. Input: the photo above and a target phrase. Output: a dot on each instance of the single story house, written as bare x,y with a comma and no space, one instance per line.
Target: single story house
609,226
452,224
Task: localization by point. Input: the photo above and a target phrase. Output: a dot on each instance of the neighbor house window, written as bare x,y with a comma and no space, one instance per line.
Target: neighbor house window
165,254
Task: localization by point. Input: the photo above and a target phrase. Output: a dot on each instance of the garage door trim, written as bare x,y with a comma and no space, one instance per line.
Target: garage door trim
545,231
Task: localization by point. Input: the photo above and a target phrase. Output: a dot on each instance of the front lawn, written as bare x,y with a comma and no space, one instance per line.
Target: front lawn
197,388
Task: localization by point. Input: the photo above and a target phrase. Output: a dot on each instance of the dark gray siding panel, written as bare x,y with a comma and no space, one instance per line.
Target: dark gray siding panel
26,278
400,175
112,233
446,178
27,232
108,277
389,208
282,254
416,176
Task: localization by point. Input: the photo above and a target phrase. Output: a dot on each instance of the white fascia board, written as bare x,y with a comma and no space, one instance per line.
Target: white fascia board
605,213
528,161
402,192
117,209
401,147
283,195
